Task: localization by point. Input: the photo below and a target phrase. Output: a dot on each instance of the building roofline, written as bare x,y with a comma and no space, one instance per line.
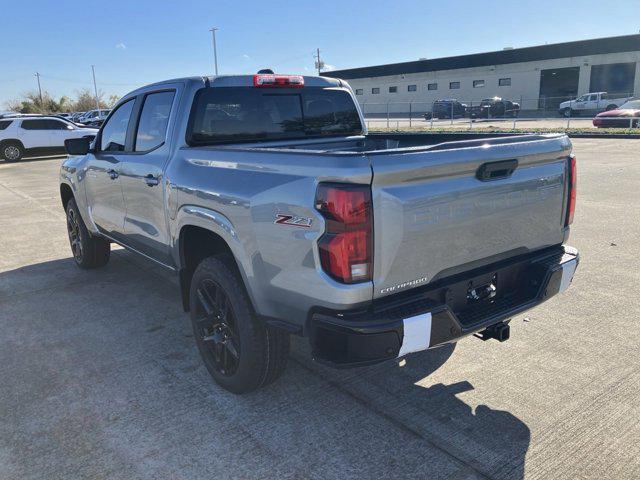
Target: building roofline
595,46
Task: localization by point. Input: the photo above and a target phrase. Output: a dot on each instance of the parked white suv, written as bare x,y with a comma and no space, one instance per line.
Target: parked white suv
37,135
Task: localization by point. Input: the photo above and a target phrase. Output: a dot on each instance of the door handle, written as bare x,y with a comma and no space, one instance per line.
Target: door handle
151,180
112,174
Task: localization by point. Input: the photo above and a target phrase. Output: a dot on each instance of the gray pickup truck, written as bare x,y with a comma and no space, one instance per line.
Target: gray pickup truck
282,215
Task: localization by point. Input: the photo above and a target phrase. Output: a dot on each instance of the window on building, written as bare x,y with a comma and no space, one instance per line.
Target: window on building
393,89
454,85
412,88
432,86
504,82
478,83
375,90
359,91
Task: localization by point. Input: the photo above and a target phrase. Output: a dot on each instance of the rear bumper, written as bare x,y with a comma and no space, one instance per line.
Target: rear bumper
440,313
616,122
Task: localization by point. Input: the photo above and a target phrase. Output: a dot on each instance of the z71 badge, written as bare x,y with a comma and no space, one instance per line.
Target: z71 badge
282,219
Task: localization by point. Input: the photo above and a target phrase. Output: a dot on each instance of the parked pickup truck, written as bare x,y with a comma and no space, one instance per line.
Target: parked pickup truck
591,103
282,215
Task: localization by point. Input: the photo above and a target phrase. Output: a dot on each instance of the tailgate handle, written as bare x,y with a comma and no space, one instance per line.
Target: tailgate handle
496,170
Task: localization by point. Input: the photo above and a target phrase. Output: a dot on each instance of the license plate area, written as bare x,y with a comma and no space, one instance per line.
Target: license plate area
493,289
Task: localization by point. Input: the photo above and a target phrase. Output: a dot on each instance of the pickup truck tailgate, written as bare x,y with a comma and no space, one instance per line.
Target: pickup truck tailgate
458,206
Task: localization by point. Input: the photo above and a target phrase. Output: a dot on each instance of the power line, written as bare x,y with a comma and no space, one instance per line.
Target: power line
81,82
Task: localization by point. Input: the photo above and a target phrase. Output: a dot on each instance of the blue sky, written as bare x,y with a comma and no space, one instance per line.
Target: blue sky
135,42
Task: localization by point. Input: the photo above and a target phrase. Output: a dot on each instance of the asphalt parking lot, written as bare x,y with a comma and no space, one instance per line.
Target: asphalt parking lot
101,379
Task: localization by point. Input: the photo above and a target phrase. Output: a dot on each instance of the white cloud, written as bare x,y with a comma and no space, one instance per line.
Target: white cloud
121,46
327,67
246,57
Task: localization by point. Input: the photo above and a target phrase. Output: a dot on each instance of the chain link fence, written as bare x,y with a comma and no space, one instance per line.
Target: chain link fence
543,112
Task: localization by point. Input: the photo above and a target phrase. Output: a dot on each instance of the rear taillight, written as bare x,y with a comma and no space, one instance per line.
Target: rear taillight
268,80
347,244
573,178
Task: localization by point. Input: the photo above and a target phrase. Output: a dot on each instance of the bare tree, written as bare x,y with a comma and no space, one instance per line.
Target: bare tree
86,100
113,99
32,103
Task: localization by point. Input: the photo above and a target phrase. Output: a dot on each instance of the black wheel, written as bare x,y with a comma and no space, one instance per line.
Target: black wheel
567,112
611,107
12,151
240,352
88,251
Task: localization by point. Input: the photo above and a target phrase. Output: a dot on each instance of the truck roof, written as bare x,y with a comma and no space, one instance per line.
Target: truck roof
245,80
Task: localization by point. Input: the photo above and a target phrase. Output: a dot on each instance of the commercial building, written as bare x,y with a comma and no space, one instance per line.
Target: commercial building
537,77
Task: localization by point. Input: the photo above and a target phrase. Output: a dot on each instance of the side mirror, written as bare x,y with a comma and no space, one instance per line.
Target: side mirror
78,146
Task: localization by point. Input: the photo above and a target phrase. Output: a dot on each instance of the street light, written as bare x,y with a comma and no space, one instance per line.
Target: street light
95,87
215,51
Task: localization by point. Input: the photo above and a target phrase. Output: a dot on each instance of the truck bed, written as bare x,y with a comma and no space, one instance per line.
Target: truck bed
397,143
438,212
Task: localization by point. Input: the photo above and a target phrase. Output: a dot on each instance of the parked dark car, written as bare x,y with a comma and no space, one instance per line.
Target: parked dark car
494,107
626,116
447,108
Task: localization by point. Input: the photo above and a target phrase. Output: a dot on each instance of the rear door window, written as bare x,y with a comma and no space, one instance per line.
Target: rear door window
58,125
239,114
154,119
4,124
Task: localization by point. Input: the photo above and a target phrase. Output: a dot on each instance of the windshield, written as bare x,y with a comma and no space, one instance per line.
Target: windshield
631,104
235,114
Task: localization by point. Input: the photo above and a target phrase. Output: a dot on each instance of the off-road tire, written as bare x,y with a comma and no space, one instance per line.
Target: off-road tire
89,251
263,350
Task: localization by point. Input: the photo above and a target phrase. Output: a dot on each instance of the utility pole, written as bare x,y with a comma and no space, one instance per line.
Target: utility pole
40,90
319,63
215,50
95,88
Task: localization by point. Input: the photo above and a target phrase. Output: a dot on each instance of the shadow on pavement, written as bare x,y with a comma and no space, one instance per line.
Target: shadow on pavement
110,356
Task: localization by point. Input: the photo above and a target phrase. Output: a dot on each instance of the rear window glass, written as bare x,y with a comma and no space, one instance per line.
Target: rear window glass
4,124
238,114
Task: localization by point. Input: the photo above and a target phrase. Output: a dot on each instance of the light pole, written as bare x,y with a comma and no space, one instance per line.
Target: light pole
95,88
215,51
40,90
319,63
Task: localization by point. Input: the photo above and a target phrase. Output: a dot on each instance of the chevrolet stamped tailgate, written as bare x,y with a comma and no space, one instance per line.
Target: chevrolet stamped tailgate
453,207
